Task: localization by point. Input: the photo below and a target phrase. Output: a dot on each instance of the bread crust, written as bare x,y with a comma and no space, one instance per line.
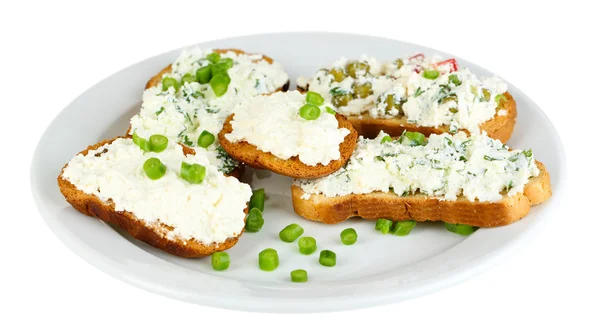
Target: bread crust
499,127
154,235
292,167
157,79
419,207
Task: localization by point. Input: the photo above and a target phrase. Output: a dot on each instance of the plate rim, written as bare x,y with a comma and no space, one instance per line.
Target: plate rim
290,305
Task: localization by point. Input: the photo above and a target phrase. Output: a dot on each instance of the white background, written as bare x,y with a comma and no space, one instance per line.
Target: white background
54,50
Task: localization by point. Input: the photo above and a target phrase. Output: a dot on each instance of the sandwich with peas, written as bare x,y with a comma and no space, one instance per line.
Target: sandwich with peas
429,95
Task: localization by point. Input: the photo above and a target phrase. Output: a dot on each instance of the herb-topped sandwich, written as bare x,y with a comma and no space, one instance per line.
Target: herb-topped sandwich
418,94
473,180
190,99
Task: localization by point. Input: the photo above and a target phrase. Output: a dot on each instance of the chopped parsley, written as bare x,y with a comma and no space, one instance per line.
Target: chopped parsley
187,141
337,91
229,163
162,109
418,92
489,158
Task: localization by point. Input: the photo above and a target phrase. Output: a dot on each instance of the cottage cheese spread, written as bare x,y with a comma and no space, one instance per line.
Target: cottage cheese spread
477,167
182,115
325,84
209,212
273,124
456,98
250,75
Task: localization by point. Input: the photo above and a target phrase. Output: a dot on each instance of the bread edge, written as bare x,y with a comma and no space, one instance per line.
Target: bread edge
331,210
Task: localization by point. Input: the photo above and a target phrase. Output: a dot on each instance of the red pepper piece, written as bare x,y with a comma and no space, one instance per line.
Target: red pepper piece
451,62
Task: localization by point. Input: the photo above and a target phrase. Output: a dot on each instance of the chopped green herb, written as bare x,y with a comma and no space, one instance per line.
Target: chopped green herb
489,158
337,91
454,80
314,98
386,138
193,173
461,229
187,141
228,163
161,110
213,57
418,92
500,97
254,220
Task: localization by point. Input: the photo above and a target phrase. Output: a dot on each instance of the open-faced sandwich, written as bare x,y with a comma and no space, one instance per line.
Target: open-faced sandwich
418,94
473,180
160,192
290,133
189,100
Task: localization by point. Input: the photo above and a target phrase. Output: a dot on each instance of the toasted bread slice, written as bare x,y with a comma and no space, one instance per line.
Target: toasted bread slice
157,79
155,234
388,205
293,167
500,127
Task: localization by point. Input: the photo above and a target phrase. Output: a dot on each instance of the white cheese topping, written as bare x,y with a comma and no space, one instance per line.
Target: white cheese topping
464,106
273,124
209,212
250,75
477,167
184,114
464,102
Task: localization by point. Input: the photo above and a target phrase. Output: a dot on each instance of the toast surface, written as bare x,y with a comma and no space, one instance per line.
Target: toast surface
157,79
500,127
153,234
293,167
420,207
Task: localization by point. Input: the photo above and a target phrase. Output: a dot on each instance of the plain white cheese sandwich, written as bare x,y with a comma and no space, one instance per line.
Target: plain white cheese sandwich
160,192
424,94
290,133
458,179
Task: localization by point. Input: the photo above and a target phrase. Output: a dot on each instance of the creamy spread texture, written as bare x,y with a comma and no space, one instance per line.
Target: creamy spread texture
400,89
447,166
209,212
273,124
250,75
183,114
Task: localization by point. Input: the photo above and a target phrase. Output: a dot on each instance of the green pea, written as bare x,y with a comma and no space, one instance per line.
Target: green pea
363,90
341,100
356,68
338,74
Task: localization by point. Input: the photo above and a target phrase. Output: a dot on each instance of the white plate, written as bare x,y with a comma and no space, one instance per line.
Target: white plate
376,270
